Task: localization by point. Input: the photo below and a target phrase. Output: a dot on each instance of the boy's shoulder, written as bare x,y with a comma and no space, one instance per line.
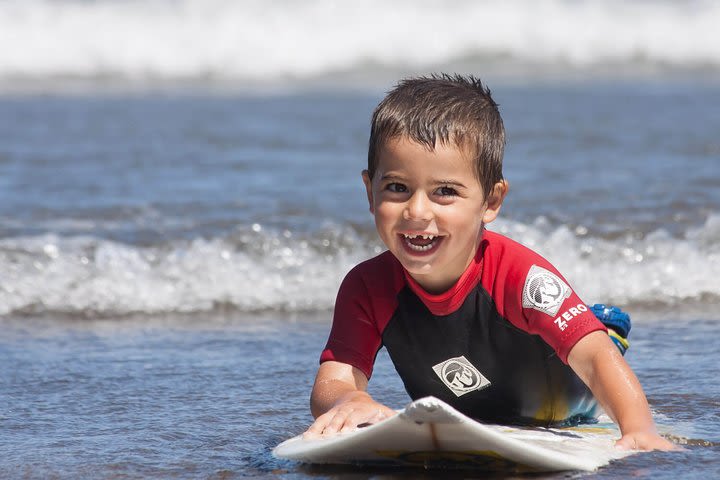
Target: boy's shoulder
506,250
382,262
371,286
508,264
383,270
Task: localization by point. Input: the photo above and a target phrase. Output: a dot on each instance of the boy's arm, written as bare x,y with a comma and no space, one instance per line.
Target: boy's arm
599,364
339,401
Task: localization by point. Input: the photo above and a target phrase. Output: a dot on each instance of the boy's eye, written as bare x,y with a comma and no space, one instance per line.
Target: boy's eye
396,187
446,191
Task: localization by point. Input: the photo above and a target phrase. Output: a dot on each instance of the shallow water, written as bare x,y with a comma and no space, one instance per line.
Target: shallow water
208,397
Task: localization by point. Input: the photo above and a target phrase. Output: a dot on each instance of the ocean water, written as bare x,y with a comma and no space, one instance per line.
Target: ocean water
180,197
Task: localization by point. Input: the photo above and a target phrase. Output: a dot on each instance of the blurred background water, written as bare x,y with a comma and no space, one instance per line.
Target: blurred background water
180,197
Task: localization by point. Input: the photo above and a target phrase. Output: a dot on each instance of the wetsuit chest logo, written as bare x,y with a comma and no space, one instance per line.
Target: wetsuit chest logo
544,291
460,376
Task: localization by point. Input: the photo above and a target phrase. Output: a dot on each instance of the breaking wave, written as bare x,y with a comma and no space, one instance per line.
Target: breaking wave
254,270
257,40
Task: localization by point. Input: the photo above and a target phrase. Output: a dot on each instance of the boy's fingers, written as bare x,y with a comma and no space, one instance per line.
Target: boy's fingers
319,426
354,419
645,442
378,417
388,412
346,418
310,434
363,417
336,423
315,429
626,443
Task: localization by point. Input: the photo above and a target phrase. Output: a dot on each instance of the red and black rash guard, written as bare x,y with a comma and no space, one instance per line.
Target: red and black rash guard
494,346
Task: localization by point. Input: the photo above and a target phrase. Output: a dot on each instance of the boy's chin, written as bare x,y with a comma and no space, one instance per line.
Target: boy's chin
418,269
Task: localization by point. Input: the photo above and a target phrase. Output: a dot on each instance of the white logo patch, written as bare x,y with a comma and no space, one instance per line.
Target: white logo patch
544,291
460,376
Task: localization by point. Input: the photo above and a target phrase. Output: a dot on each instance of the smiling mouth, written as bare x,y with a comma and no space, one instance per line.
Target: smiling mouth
421,243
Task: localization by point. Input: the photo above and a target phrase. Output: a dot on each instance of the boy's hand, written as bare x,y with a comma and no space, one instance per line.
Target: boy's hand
356,409
340,402
644,441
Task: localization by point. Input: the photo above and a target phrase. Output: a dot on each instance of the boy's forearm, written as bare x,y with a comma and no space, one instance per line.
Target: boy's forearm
616,387
598,362
619,392
335,383
328,393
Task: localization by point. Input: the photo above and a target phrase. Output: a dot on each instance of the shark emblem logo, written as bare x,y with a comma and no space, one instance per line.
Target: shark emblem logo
460,376
544,291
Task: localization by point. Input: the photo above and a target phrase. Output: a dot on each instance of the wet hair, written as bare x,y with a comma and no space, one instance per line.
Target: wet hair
454,110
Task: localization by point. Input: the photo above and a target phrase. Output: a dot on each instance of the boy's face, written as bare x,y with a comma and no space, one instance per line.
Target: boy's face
429,209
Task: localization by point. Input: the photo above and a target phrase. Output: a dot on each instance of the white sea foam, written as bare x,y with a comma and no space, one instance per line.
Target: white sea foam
655,270
255,39
257,270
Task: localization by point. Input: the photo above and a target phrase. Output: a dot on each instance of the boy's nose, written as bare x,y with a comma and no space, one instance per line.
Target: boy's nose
418,207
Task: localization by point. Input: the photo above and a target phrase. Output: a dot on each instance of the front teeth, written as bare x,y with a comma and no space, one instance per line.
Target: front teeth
419,248
424,237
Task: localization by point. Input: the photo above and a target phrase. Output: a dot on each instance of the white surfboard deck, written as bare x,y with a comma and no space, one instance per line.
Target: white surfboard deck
430,433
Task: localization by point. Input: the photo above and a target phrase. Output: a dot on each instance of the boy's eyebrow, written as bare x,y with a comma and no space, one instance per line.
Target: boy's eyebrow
391,176
439,181
454,183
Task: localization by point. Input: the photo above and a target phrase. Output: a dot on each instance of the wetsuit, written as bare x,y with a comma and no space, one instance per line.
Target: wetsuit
494,346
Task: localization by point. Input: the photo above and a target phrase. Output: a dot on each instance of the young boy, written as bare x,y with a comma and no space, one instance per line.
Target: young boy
466,315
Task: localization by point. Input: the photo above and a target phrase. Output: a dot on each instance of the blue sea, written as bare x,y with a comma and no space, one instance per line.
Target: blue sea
180,197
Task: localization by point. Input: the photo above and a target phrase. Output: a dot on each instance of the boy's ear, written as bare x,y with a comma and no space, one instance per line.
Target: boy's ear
494,200
368,188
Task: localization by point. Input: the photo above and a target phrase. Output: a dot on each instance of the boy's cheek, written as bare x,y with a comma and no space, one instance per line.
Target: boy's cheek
383,215
383,225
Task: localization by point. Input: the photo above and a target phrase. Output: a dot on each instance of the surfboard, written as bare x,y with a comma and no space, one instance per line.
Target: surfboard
431,434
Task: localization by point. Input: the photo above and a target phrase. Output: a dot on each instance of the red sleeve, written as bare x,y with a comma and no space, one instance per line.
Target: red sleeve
364,304
553,310
536,298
